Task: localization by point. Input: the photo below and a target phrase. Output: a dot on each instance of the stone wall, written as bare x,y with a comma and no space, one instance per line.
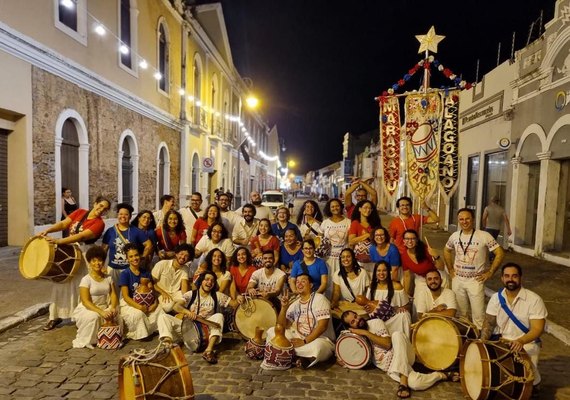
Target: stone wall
105,122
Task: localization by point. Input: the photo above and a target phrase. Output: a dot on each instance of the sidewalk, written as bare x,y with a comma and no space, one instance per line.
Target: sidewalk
22,299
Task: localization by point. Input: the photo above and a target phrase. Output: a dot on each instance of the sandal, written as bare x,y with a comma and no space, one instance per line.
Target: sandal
452,376
303,362
210,357
52,323
403,392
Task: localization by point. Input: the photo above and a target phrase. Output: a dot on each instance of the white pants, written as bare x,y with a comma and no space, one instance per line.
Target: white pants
533,351
88,323
321,348
171,327
138,324
470,294
401,364
400,322
167,305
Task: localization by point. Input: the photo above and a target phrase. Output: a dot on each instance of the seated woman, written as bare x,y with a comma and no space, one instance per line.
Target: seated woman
282,216
170,234
146,223
216,238
241,269
350,280
211,215
290,251
383,250
265,240
310,265
216,262
98,298
309,220
388,301
139,316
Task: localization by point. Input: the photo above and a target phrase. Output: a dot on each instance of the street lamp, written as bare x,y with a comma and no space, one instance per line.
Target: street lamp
251,102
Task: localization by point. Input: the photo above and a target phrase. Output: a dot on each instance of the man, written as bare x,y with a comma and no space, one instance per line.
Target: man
166,203
191,213
436,300
204,303
407,220
172,277
362,191
469,270
268,281
247,227
394,355
231,217
525,324
261,211
308,324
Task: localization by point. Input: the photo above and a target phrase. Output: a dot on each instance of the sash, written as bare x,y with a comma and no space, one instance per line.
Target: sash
120,235
512,316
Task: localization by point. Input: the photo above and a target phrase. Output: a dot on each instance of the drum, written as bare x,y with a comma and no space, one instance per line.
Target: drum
195,335
160,373
42,259
438,340
277,358
109,337
353,351
254,350
144,299
255,313
344,305
490,370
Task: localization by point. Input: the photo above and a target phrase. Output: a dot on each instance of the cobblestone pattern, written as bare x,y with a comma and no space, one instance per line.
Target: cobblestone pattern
42,365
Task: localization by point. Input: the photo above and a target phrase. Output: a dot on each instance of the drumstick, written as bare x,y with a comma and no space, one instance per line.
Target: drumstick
209,323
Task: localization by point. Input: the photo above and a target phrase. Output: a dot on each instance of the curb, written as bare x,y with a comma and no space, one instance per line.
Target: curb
558,331
23,316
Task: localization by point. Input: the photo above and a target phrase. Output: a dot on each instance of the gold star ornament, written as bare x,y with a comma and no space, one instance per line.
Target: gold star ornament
429,41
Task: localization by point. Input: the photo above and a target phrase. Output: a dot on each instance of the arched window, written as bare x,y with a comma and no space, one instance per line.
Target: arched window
163,57
162,172
70,157
197,91
127,170
195,173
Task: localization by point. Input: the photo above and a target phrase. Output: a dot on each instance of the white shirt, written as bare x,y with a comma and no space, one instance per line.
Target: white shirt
204,306
471,252
265,283
231,219
205,244
424,300
189,219
526,306
305,316
242,231
337,232
358,285
168,277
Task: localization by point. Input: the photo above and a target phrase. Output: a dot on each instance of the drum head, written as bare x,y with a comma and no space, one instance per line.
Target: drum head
255,313
191,334
437,342
36,258
353,350
471,369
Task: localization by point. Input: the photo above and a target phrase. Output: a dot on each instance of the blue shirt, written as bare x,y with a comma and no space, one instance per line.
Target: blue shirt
280,232
316,269
392,256
116,243
132,281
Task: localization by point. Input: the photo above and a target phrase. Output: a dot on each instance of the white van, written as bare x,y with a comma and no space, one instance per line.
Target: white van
273,199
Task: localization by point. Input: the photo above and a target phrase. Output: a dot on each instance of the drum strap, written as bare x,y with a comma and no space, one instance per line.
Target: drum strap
120,234
512,316
312,229
193,213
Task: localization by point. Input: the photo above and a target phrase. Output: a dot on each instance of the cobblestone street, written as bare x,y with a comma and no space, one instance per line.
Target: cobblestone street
42,365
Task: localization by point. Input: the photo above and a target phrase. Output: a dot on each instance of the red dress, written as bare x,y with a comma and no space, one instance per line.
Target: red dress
170,240
241,281
421,268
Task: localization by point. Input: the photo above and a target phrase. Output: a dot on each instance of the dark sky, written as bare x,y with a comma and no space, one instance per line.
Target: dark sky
317,65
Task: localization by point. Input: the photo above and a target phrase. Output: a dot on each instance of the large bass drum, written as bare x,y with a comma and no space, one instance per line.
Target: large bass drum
41,259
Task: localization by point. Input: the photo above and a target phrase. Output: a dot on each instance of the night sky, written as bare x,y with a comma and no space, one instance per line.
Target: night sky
317,65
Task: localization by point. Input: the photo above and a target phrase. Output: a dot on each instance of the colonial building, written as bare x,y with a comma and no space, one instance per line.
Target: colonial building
128,99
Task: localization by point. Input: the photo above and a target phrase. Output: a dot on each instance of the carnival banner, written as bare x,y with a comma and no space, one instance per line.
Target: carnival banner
390,143
449,148
423,118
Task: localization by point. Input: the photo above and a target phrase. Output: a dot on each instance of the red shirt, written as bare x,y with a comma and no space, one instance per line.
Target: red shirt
357,229
201,226
419,269
95,225
400,225
241,281
172,241
273,244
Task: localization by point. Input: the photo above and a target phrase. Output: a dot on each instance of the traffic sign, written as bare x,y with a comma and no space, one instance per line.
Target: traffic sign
208,165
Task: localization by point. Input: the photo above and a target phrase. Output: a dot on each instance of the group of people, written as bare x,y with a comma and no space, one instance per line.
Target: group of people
331,270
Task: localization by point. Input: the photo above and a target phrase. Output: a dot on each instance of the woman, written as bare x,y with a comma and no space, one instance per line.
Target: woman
290,251
241,269
282,215
171,233
140,318
68,205
116,237
335,230
350,280
388,301
265,240
216,238
309,220
311,265
216,262
417,261
365,219
99,300
146,223
85,227
383,250
211,214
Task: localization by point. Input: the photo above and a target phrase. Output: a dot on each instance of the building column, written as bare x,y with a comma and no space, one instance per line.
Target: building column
519,196
547,200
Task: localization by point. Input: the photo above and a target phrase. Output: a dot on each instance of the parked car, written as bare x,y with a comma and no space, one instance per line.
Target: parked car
273,199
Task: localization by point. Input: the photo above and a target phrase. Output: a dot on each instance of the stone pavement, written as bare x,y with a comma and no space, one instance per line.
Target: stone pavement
42,365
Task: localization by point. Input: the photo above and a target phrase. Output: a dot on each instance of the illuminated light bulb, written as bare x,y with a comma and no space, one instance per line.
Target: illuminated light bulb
181,92
67,3
190,98
143,64
124,49
198,103
100,30
157,75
